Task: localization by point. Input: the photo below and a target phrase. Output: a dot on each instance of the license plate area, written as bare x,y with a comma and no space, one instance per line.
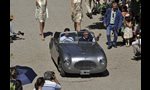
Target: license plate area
84,72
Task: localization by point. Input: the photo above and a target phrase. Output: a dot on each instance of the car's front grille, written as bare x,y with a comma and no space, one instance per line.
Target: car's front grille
85,65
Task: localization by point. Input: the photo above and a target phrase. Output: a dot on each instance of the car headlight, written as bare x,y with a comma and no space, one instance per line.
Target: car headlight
102,61
66,63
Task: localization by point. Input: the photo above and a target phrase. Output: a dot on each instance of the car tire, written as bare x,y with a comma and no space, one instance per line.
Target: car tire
105,73
62,72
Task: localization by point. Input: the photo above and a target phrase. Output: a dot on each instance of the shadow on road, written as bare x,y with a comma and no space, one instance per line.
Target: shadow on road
47,34
15,37
97,25
104,74
119,43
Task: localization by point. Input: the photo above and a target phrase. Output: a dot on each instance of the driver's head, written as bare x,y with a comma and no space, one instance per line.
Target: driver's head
86,34
66,30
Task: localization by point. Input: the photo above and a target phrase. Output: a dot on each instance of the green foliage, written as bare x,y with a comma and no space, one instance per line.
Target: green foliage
12,87
11,54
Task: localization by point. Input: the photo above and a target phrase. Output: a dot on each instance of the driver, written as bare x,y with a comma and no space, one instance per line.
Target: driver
86,37
66,37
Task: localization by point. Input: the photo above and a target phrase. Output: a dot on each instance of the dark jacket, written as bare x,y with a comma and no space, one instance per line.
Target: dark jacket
118,19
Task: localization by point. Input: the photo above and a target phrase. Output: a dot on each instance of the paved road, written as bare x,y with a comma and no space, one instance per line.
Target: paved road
123,73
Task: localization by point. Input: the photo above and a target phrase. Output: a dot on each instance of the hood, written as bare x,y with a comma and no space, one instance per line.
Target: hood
81,49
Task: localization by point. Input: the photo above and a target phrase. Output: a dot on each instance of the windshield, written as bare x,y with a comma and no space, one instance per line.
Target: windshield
76,36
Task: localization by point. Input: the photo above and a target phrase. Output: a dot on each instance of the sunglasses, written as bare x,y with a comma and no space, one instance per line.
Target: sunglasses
85,34
113,15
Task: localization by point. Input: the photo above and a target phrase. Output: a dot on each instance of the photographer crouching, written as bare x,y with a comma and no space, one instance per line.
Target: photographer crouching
137,47
13,31
49,76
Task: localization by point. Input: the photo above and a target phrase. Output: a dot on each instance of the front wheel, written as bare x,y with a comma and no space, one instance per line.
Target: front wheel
62,72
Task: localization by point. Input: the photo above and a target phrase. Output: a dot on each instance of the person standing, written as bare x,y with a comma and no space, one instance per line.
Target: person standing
135,7
18,85
89,10
76,13
124,13
128,30
41,14
112,21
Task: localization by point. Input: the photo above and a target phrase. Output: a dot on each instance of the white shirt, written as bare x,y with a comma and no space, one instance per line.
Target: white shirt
49,85
11,29
138,41
113,16
66,39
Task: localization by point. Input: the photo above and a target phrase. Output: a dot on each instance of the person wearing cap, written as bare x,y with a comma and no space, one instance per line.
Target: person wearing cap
11,29
49,76
112,21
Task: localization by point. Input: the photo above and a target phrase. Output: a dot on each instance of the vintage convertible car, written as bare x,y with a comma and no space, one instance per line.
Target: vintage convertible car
74,56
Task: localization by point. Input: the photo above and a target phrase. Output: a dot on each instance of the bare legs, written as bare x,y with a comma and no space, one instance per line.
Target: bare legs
41,29
77,25
127,42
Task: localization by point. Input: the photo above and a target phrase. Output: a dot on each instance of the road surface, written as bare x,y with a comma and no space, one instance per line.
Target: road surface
29,50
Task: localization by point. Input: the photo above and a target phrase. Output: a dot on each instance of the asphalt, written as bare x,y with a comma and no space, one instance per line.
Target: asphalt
29,50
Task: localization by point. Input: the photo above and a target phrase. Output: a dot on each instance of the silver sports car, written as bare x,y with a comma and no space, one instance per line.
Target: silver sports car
77,52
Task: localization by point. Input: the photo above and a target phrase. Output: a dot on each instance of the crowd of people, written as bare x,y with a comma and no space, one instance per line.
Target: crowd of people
121,16
47,82
125,20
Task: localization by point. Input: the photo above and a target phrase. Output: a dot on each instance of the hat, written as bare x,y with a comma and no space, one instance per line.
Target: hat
11,16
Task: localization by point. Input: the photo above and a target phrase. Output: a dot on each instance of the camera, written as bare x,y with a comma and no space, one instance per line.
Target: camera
53,74
21,33
138,36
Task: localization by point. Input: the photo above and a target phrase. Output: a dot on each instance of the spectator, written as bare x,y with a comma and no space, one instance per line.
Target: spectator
13,75
137,26
88,6
39,83
135,7
124,13
96,5
131,15
76,13
112,21
11,29
137,47
41,14
124,10
122,3
18,85
103,4
128,30
49,85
